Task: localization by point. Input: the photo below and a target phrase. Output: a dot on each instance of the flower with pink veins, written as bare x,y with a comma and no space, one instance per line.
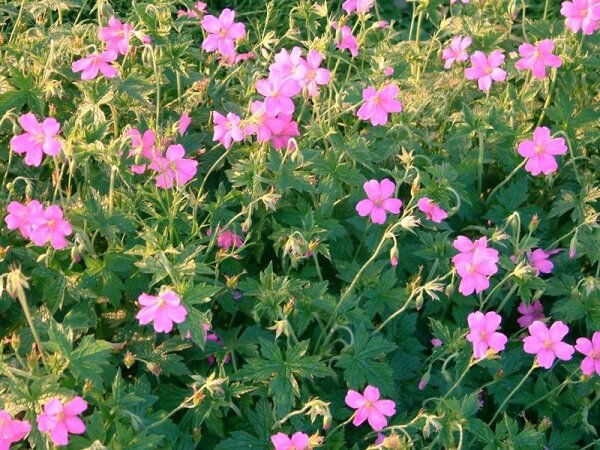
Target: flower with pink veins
369,407
116,35
184,122
24,217
173,167
360,6
591,350
39,138
289,64
474,264
59,419
546,343
530,313
12,430
456,51
486,69
278,91
537,57
540,152
315,75
283,129
581,15
298,441
431,210
483,334
142,146
222,32
379,201
540,260
162,310
191,13
90,65
347,40
50,226
227,129
377,104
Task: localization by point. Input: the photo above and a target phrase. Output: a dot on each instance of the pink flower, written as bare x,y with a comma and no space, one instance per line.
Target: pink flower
483,333
90,65
222,32
289,64
173,167
537,57
278,91
486,69
581,15
214,338
227,128
378,103
379,200
540,152
228,239
39,138
457,51
298,441
11,430
283,128
547,343
191,13
50,226
369,407
184,123
116,35
360,6
388,71
23,217
436,342
259,122
315,75
431,210
539,259
347,40
462,1
530,313
591,350
59,419
142,146
163,310
474,264
380,439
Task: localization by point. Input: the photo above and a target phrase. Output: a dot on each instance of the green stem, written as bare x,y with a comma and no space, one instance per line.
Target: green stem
480,163
462,375
545,10
418,34
507,297
514,391
393,316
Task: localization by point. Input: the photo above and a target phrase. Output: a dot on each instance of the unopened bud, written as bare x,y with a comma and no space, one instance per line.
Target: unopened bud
394,254
129,359
315,441
15,341
87,386
534,223
424,380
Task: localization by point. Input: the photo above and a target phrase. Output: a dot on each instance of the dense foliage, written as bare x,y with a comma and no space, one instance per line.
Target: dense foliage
299,224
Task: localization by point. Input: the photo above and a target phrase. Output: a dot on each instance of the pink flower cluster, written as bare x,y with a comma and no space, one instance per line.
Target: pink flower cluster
38,224
171,168
162,310
59,419
38,139
271,119
116,36
12,430
474,264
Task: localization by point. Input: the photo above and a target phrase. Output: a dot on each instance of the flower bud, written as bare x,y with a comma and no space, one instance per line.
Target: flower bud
154,368
129,359
87,386
534,223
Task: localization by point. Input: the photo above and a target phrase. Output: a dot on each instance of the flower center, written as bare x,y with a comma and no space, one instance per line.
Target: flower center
369,404
539,150
488,70
223,33
594,354
161,302
40,138
548,344
471,268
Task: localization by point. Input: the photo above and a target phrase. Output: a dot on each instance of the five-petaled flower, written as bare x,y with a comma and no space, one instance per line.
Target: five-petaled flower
431,210
379,201
116,35
298,441
90,65
59,419
474,264
537,57
541,151
222,32
581,15
483,333
530,313
370,408
38,139
591,350
456,51
173,168
163,310
486,69
11,430
546,343
377,104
